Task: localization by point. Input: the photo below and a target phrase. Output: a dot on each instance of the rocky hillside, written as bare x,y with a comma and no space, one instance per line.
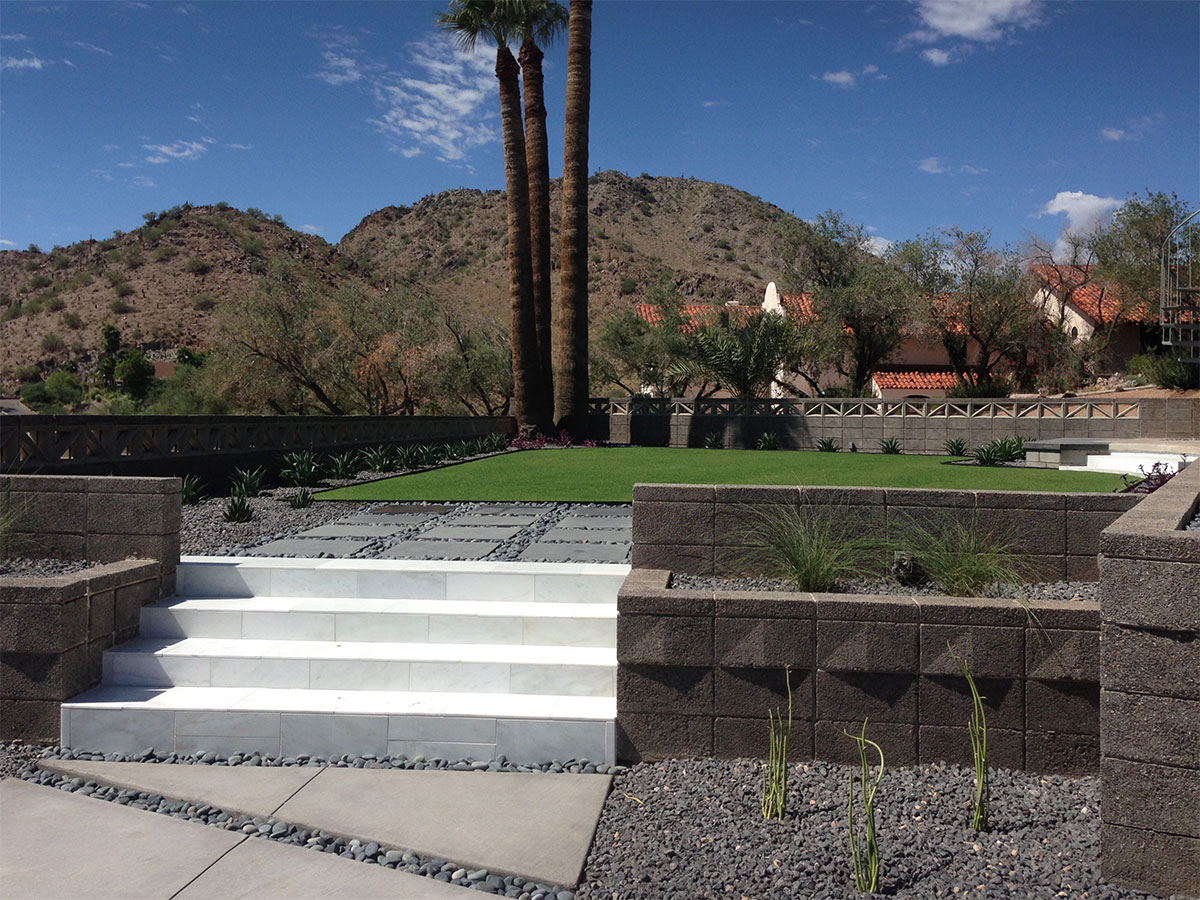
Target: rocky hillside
161,283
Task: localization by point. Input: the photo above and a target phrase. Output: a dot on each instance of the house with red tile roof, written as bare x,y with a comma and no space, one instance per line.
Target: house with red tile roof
1072,296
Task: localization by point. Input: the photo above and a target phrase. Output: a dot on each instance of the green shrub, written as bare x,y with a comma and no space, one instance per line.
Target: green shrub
134,258
119,306
628,285
193,490
113,277
37,282
60,262
80,279
197,265
343,465
377,459
1165,371
51,343
124,289
301,499
301,468
864,849
828,445
956,447
1000,451
238,509
768,440
165,252
890,446
813,547
964,559
722,244
26,373
247,482
714,440
55,303
252,244
72,320
203,302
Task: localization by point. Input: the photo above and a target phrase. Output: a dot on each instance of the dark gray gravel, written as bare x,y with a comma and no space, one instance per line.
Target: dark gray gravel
23,567
1194,525
692,829
1048,590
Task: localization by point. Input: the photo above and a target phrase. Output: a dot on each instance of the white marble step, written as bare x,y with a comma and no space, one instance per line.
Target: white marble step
328,723
211,576
376,619
352,665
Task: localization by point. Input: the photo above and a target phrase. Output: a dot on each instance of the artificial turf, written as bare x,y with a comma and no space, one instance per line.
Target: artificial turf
607,474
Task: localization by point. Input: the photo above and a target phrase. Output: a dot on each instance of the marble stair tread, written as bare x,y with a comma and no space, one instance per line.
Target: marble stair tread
369,605
385,703
240,648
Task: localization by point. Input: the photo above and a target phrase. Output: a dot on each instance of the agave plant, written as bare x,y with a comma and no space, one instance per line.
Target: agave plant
301,499
247,482
714,440
301,468
956,447
192,491
828,445
890,445
376,459
768,440
408,457
239,509
343,465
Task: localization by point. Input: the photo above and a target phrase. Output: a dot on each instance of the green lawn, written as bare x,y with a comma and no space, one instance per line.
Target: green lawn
607,474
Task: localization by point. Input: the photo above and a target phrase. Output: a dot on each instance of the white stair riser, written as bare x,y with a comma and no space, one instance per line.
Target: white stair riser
549,631
327,580
357,674
332,734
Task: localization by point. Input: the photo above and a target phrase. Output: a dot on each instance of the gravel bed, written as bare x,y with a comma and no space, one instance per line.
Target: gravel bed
23,567
1194,525
204,531
1047,590
21,760
690,829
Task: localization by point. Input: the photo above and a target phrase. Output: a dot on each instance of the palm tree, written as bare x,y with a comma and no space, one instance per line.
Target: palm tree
538,22
468,20
571,326
743,354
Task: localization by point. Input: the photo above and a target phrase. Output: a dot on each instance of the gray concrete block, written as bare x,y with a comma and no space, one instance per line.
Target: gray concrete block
1069,707
946,700
1163,663
1057,753
668,689
899,743
584,552
1160,730
421,549
1058,654
867,608
741,738
687,558
652,736
665,640
1150,861
493,533
868,646
670,522
663,602
311,547
763,641
754,693
987,652
1150,593
943,743
884,698
1174,796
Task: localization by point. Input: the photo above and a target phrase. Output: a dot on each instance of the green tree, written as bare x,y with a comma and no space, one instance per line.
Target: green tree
571,326
1127,251
110,338
746,354
639,355
475,369
469,20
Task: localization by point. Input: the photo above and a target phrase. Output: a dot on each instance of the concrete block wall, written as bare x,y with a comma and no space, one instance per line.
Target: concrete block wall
697,529
53,633
1150,692
698,672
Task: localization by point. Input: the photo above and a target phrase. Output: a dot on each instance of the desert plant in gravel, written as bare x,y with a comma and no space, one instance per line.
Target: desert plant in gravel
809,546
864,848
981,799
378,459
828,445
964,558
301,468
302,499
192,490
409,457
775,776
343,465
956,447
247,482
238,509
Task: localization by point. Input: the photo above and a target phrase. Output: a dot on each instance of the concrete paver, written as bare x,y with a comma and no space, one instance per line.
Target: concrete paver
405,519
352,530
419,549
597,523
249,790
58,845
570,552
533,825
589,535
308,547
473,532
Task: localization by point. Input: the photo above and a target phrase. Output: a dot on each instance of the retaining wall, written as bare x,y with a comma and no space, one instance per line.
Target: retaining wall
53,631
698,529
1150,692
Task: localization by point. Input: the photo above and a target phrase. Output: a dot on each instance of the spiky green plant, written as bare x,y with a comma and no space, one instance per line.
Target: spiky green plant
956,447
890,445
239,509
964,558
409,457
768,440
810,546
377,459
828,445
1002,450
981,801
864,849
247,482
301,468
431,454
343,465
714,440
192,490
775,776
301,499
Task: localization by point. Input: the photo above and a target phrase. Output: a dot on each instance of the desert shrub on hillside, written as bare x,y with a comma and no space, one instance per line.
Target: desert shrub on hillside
72,320
119,306
37,282
165,252
197,265
51,343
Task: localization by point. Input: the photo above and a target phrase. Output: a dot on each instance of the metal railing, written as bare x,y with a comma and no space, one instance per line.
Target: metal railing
1179,289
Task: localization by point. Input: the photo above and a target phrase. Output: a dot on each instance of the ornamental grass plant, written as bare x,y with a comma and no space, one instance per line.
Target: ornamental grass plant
964,558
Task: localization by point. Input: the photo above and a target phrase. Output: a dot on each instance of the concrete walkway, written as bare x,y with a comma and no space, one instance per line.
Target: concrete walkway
537,826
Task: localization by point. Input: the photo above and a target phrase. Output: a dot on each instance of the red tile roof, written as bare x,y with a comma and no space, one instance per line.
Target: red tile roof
915,378
696,315
1098,301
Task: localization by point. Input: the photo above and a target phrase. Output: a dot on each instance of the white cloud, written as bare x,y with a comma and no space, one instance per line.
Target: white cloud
972,170
1134,130
1082,210
340,69
83,45
311,229
27,62
240,146
7,243
1112,134
842,79
712,104
932,165
111,147
144,181
180,150
974,20
879,245
936,56
410,152
13,37
67,62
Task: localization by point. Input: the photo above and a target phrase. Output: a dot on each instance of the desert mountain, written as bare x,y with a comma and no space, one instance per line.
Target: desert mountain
161,283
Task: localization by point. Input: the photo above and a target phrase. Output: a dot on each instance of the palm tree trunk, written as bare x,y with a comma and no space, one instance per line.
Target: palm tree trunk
526,388
571,352
538,160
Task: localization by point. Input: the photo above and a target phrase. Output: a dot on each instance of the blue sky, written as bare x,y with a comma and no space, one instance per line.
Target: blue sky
1014,115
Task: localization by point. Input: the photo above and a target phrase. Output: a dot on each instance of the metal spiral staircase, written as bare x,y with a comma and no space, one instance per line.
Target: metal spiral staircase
1179,290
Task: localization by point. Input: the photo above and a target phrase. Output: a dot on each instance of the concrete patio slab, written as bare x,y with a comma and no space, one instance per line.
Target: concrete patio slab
268,870
308,547
415,508
532,825
473,532
352,530
601,512
536,826
421,549
504,508
524,518
565,552
59,845
597,523
249,790
405,519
